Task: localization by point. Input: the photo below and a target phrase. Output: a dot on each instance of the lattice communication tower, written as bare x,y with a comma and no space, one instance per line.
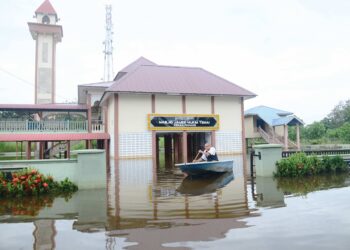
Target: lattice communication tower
108,46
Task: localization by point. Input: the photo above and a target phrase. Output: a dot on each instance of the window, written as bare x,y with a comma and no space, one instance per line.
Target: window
46,20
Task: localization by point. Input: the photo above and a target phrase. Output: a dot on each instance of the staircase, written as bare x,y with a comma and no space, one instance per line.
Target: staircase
272,138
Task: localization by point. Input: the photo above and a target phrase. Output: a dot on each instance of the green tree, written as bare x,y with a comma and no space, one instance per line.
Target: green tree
339,115
316,130
344,132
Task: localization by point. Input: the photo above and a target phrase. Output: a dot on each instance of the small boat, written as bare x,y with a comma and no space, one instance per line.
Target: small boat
208,167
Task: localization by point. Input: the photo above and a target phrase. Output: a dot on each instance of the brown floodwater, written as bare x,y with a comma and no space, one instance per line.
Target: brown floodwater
145,208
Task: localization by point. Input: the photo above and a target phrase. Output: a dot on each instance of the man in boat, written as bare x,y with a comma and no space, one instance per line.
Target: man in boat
208,154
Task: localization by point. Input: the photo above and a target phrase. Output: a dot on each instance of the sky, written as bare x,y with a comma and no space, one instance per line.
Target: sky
294,54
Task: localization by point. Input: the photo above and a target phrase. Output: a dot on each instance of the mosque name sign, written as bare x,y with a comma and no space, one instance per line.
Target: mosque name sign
168,122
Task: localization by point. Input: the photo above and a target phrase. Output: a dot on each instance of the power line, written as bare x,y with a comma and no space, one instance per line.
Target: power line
25,81
16,77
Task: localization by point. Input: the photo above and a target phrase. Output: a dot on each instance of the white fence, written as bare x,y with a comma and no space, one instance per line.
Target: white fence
49,126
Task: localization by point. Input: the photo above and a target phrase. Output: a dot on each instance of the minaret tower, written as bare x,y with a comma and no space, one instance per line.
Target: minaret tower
46,34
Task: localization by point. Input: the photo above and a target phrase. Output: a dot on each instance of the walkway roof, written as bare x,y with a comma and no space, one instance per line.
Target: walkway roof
274,117
44,107
13,137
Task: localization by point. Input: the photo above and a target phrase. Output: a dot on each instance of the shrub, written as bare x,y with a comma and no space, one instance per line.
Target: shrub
29,182
300,164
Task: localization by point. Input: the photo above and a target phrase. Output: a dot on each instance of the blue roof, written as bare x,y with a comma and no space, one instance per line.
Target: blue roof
274,117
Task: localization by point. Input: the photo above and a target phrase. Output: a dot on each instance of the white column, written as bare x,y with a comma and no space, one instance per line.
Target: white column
285,137
298,136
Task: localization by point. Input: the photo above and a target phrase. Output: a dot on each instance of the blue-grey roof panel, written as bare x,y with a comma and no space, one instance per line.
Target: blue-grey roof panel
272,116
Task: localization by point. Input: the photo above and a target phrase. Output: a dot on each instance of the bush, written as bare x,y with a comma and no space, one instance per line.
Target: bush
29,182
300,164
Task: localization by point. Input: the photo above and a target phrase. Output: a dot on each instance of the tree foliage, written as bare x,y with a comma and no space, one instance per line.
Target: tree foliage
314,131
335,127
338,116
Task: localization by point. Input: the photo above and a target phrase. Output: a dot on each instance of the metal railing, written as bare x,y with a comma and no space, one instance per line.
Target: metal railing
49,126
286,154
271,137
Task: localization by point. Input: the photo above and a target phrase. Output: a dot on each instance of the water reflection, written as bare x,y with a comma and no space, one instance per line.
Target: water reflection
151,207
26,206
204,184
267,193
303,186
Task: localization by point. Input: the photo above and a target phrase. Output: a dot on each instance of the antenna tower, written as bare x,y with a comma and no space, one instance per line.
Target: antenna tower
108,44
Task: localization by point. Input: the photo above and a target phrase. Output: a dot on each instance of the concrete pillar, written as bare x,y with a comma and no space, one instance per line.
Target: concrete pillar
154,144
29,150
88,144
16,150
168,150
184,147
88,103
105,119
41,150
68,149
213,138
106,148
176,148
156,149
298,137
270,154
285,137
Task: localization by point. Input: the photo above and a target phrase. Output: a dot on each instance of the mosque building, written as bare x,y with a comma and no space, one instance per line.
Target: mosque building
147,108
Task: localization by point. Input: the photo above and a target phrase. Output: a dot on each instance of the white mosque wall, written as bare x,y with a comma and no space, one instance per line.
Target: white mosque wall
198,104
168,104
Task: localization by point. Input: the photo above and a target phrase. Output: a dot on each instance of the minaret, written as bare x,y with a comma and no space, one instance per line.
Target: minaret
46,34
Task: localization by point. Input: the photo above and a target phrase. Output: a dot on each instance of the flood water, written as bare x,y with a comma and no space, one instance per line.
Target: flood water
145,208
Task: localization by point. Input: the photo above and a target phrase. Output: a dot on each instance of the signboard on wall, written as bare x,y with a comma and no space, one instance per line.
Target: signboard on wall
168,122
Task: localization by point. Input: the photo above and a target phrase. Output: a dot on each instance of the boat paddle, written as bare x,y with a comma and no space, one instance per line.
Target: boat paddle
195,158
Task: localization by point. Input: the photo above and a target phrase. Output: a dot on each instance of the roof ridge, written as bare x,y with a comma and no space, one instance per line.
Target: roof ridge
120,80
228,82
172,66
264,106
135,63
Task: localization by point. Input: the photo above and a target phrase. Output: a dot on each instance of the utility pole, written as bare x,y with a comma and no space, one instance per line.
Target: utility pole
108,46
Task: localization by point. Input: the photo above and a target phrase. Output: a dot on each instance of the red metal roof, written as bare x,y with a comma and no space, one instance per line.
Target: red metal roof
176,80
46,8
53,137
133,66
46,107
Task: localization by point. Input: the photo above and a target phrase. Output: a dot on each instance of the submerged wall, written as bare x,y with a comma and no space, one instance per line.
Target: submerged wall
88,171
